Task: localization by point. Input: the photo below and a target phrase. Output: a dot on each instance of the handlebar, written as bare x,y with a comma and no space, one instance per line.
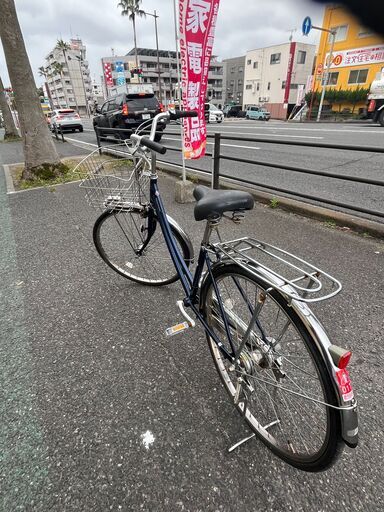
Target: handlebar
155,146
182,113
166,116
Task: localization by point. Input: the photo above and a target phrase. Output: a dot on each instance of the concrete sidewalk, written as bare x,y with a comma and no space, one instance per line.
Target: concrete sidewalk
87,371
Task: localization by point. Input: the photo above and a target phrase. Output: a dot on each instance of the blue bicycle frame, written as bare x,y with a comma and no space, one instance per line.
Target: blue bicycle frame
189,281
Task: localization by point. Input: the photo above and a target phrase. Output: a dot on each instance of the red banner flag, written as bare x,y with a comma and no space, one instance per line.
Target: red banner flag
108,74
197,21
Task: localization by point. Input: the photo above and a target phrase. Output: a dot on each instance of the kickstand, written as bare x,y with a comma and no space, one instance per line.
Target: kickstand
240,443
276,422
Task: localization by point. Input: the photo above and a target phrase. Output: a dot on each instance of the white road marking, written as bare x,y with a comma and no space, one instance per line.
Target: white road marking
81,142
148,439
341,130
272,135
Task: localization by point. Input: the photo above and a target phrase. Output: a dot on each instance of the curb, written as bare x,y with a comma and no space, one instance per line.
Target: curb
342,219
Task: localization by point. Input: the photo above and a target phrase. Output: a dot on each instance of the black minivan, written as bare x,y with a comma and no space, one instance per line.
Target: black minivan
127,111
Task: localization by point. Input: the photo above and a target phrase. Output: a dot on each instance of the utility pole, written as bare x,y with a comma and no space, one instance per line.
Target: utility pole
155,16
325,77
306,28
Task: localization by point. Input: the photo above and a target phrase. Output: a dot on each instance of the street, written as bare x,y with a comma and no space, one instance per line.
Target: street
341,162
100,411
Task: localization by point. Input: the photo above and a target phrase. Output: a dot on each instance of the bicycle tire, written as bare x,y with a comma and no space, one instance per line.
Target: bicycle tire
233,283
118,234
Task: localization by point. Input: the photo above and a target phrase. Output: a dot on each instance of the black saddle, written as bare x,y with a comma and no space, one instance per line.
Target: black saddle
213,203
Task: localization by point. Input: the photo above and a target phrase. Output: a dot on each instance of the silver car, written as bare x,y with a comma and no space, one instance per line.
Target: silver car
66,119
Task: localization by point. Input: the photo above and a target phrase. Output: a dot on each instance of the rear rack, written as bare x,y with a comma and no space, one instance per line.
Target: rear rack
290,270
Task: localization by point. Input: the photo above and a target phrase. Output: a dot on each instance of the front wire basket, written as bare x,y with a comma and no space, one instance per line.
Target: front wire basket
113,178
280,269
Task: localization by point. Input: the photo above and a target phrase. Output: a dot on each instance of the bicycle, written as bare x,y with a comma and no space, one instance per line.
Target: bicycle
284,376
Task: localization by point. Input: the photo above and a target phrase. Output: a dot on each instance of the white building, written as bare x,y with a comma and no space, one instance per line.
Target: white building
117,73
73,87
272,78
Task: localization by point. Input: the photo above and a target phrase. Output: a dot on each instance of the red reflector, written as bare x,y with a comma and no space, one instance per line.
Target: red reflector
125,109
344,383
344,360
371,106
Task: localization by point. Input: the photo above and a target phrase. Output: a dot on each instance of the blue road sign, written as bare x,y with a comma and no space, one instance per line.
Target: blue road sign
307,25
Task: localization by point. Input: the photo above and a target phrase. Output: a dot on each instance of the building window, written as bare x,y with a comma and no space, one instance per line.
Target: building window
258,86
332,78
241,69
365,32
358,76
249,62
275,58
232,82
301,57
341,33
239,82
283,84
269,86
248,87
233,69
255,65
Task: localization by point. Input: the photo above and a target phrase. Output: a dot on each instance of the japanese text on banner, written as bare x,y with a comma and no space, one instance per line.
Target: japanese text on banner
197,21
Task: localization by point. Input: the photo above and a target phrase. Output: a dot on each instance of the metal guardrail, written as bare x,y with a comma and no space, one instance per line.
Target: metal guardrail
217,156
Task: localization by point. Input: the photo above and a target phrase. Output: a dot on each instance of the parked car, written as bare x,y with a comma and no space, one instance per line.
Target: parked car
127,111
233,111
66,119
257,113
213,114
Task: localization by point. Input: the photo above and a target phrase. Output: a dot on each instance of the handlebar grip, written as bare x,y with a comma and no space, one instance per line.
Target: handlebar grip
182,113
155,146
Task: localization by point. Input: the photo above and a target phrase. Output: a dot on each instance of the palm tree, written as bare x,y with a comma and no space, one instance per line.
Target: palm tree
58,69
38,145
132,9
44,72
9,124
64,47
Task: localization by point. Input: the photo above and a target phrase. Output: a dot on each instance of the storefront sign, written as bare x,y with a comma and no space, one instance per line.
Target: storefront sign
357,57
197,21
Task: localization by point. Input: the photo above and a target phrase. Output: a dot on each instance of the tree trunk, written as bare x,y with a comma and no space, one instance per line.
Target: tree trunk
134,37
37,141
9,123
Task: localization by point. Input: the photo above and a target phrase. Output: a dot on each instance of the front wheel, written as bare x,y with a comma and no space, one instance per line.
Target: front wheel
278,372
119,236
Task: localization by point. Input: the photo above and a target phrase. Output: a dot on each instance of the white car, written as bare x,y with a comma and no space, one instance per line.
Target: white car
66,119
213,114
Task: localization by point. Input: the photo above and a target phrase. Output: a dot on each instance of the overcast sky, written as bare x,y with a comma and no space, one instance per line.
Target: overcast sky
242,25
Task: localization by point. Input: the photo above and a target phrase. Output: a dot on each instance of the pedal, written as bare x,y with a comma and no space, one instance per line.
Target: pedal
175,329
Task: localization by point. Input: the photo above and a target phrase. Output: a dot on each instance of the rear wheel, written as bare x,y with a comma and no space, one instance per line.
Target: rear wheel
279,371
119,236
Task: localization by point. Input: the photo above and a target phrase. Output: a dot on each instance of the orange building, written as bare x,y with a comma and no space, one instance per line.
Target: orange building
357,57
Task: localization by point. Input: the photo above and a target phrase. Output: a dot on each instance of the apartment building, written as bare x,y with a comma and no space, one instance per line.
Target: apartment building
358,54
234,79
276,74
70,86
118,71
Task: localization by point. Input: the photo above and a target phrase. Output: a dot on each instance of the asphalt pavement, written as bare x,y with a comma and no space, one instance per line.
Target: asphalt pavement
88,376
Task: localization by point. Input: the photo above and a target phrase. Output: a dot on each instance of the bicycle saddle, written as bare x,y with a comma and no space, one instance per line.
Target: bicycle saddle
211,203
